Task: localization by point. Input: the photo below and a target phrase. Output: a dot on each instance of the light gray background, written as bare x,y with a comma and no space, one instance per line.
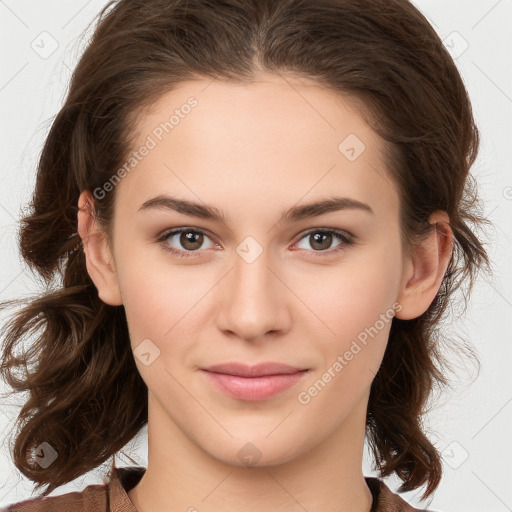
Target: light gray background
40,44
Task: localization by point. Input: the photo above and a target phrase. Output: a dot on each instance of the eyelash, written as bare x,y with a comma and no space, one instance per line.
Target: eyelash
345,239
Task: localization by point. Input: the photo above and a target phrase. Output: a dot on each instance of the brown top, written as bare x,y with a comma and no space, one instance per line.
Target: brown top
112,496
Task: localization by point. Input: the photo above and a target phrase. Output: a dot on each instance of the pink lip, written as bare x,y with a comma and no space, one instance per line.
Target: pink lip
254,383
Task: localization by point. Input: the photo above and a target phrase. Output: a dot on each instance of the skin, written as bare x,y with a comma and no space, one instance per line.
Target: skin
253,151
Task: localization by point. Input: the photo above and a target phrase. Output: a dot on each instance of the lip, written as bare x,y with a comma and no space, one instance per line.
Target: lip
258,370
253,383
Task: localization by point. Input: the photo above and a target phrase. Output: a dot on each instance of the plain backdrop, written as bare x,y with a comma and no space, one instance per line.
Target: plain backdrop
40,42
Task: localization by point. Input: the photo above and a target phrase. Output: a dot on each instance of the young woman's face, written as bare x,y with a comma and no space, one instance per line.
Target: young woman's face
314,288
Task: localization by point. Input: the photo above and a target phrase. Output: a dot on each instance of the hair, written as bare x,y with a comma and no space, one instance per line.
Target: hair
85,395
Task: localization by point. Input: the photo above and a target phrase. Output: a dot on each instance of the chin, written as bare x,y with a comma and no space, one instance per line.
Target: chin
256,451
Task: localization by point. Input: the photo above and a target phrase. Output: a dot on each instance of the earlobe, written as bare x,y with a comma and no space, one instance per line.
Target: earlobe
97,252
424,272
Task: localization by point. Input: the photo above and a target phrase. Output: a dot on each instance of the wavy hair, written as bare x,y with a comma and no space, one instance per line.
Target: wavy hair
85,396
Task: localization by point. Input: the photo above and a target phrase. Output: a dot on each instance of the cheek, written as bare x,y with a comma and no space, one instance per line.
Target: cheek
359,313
157,295
160,304
354,296
356,305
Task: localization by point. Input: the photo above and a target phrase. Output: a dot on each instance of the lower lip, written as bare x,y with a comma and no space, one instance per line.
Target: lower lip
254,388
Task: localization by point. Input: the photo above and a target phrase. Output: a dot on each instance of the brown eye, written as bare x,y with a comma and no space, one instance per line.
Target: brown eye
321,241
190,240
185,241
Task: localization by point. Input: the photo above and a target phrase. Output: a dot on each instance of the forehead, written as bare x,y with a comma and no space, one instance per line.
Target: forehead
280,138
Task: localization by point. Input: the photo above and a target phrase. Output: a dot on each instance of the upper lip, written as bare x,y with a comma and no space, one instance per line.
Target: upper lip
259,370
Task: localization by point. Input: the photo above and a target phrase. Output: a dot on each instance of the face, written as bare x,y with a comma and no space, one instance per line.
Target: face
262,278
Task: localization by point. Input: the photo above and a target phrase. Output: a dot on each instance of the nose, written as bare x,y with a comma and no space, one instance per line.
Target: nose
253,300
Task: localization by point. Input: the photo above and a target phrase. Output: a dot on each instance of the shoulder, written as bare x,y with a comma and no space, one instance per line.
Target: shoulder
109,496
92,498
384,500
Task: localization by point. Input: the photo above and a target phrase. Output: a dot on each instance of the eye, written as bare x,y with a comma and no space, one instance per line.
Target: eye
320,240
190,239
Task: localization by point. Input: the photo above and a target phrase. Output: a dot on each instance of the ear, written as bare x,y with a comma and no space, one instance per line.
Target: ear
97,252
424,271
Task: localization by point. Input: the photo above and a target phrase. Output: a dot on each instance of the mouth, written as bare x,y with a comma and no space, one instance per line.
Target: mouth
253,383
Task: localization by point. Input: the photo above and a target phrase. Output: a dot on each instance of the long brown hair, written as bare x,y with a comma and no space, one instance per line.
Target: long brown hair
85,396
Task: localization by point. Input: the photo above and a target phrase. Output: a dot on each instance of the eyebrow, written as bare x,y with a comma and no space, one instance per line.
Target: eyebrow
294,214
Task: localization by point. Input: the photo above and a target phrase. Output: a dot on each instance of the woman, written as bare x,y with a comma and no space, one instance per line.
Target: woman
259,211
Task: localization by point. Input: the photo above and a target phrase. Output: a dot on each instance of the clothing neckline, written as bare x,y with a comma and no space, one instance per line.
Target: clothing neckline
124,479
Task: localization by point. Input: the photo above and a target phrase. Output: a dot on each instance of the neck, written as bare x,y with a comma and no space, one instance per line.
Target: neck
182,476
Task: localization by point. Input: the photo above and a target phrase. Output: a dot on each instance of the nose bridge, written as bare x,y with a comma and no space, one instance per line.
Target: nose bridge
252,278
252,301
